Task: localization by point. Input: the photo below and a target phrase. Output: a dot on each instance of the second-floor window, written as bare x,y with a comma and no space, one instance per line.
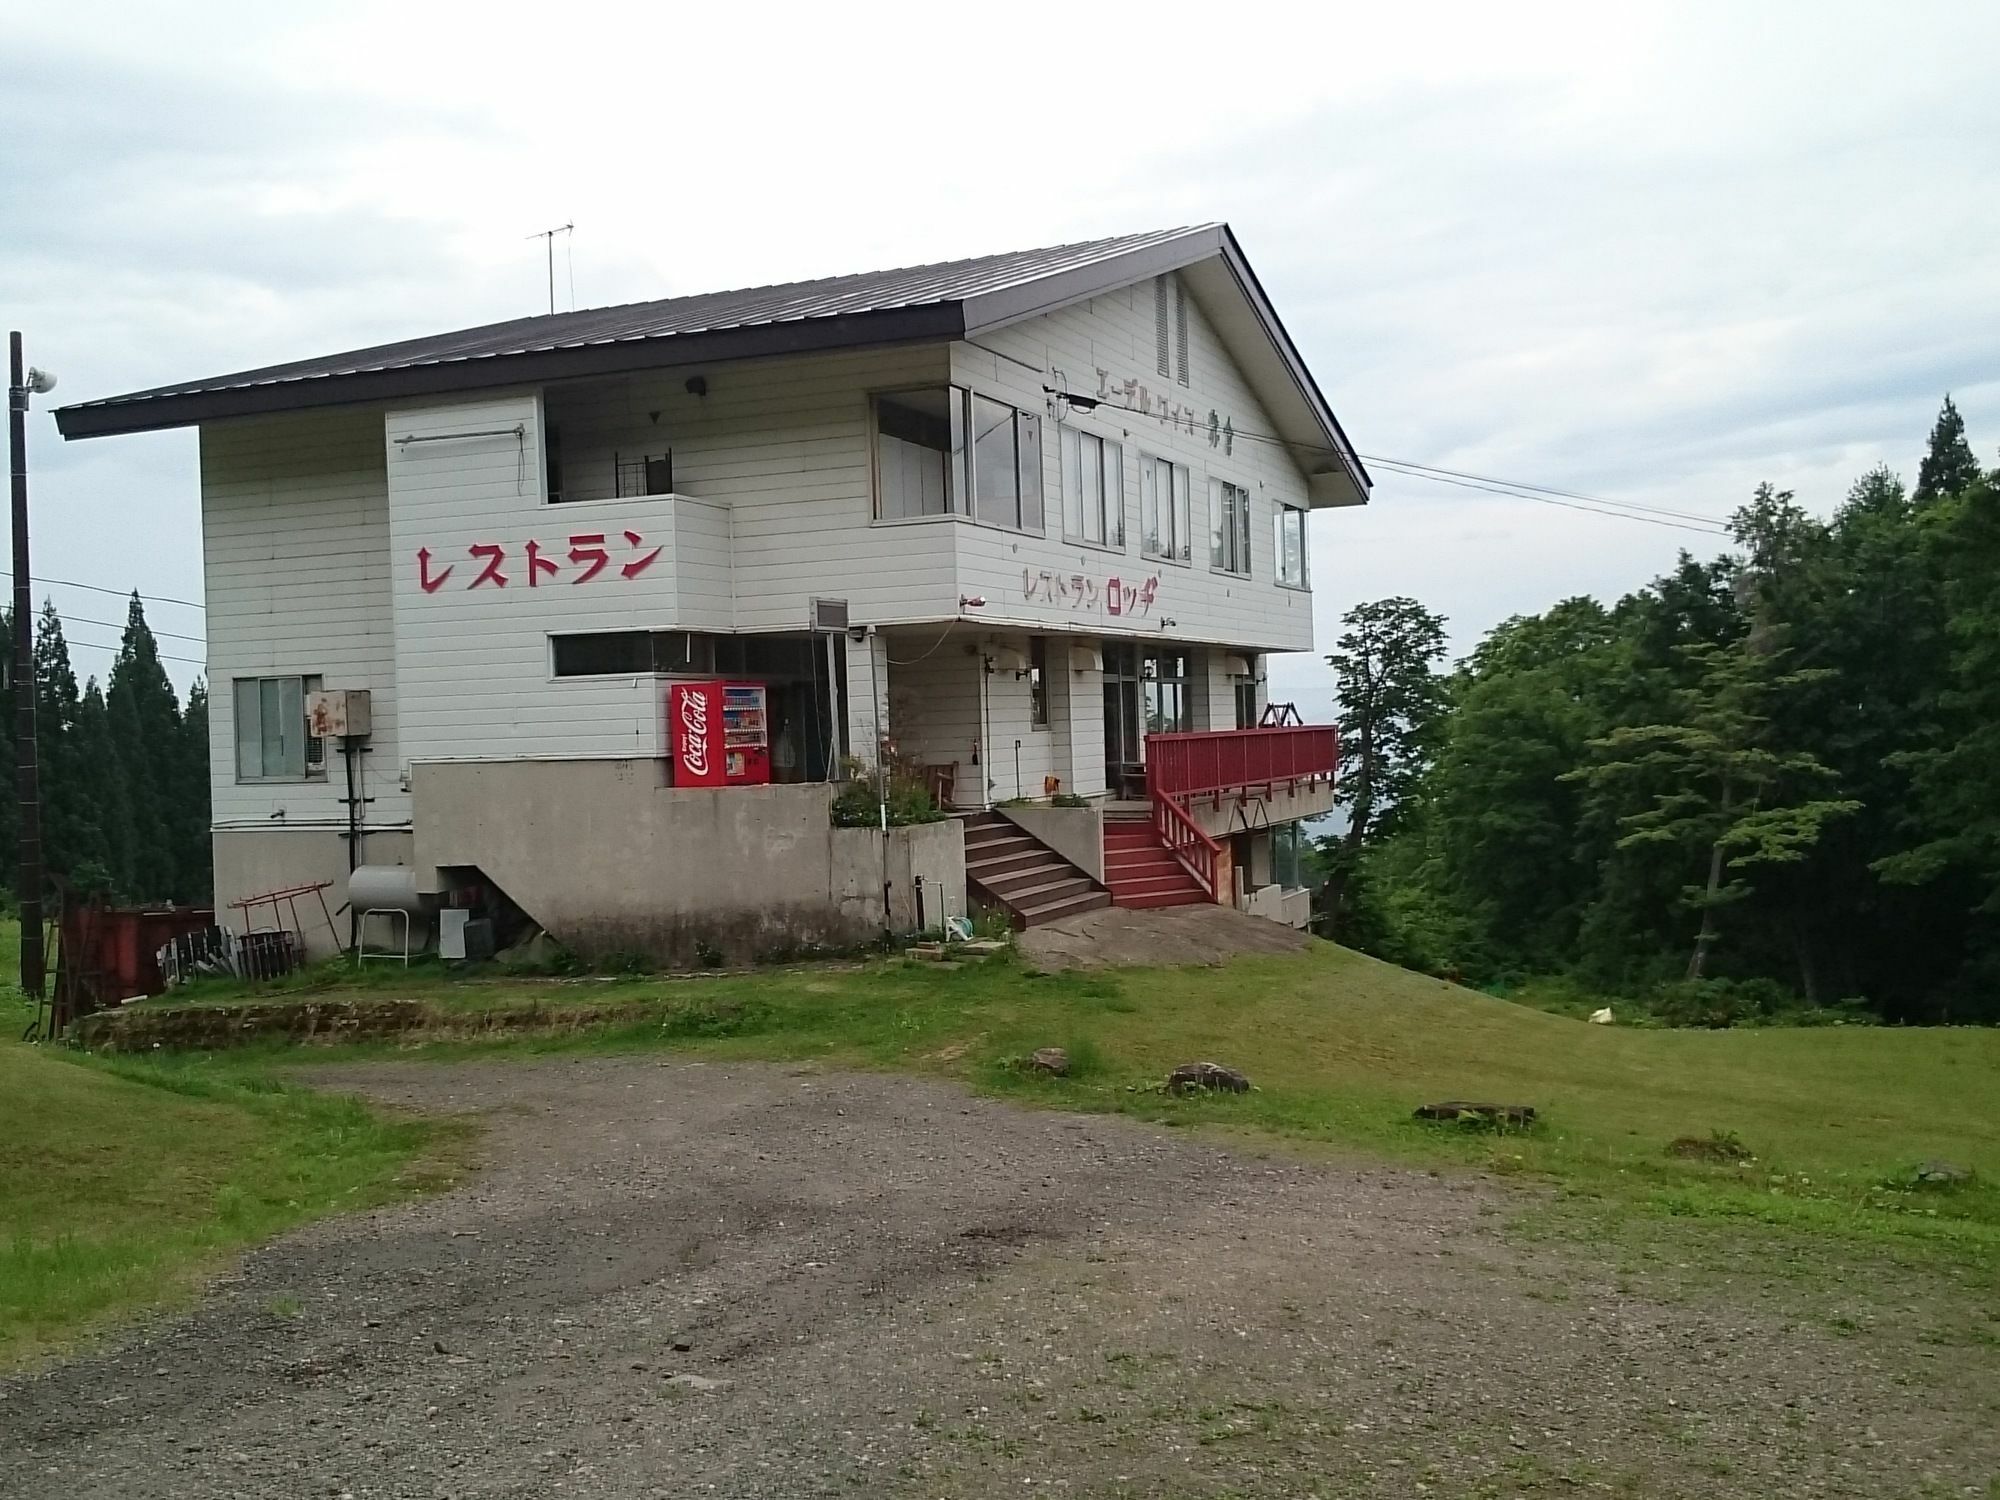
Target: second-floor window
948,452
1291,546
1165,521
1229,526
1093,470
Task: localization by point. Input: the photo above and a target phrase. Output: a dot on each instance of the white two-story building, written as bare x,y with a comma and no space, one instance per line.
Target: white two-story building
1052,506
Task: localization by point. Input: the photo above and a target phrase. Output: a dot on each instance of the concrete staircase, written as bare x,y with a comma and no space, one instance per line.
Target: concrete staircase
1141,870
1017,872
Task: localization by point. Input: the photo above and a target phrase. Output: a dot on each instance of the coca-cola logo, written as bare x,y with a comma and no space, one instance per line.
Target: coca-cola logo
694,732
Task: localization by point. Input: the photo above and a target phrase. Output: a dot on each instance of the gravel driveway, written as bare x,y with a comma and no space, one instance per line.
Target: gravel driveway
681,1279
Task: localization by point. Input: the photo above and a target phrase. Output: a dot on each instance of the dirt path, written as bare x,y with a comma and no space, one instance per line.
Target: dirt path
678,1279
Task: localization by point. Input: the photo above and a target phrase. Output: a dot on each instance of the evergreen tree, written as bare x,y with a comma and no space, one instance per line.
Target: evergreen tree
112,814
195,861
1391,699
147,736
1949,466
72,785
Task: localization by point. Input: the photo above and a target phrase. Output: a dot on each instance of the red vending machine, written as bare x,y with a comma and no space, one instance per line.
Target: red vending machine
720,733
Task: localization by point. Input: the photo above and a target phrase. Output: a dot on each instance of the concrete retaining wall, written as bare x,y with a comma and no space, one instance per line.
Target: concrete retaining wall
249,861
1076,833
611,861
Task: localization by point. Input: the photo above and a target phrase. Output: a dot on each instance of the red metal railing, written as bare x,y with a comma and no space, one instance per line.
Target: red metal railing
1180,766
1188,842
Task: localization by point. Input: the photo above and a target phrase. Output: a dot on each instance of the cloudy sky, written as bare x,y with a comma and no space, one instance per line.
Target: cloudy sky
1655,253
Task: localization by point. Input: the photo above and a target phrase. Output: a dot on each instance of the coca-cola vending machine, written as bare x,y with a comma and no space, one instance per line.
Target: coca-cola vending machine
720,733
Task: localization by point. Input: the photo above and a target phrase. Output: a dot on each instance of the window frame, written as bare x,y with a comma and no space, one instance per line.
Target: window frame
697,665
1179,510
1110,497
1286,511
312,748
1038,682
961,468
1229,528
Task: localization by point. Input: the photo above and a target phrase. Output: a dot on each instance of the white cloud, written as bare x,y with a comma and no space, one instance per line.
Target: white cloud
1657,252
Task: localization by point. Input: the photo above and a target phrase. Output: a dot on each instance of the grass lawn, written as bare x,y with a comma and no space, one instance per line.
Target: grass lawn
121,1185
118,1181
1342,1047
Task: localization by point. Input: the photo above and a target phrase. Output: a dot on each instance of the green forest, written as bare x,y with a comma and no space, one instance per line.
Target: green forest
1765,785
124,770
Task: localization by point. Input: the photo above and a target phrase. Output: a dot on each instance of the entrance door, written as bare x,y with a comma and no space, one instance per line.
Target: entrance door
1124,728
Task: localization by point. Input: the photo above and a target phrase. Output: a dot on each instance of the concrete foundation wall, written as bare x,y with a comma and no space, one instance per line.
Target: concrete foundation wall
1076,833
251,861
609,860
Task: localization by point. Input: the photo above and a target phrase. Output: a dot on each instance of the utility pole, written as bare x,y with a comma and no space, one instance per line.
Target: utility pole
27,770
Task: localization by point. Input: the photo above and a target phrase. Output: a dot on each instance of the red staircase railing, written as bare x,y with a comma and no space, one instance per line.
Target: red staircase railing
1187,841
1180,767
1229,760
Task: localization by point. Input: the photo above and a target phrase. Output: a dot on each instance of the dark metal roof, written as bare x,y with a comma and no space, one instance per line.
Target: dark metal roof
948,300
830,297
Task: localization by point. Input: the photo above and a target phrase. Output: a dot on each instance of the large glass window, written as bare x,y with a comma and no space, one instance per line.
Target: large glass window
1093,471
1291,546
1229,526
946,451
1287,846
1164,681
1006,465
920,453
631,653
273,739
1165,525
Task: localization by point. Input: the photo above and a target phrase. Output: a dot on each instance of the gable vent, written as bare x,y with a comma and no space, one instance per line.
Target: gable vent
1160,323
1180,335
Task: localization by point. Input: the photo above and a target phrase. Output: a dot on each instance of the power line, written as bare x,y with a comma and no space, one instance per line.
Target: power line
114,625
193,661
98,588
1596,505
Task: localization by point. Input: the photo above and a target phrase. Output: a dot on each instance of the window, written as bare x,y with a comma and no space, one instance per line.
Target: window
631,653
272,742
1093,488
1038,681
920,454
552,463
1229,526
1287,844
1246,704
1160,324
948,452
1292,546
1165,526
1006,466
1163,677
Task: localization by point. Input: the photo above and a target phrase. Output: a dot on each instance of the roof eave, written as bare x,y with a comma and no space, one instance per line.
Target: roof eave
874,329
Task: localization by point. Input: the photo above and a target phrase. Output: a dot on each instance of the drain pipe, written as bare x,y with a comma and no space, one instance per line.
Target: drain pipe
881,786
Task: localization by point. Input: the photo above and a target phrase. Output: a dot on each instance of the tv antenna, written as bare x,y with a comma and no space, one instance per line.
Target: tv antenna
550,236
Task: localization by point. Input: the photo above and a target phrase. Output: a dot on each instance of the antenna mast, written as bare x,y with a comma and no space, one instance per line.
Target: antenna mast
550,236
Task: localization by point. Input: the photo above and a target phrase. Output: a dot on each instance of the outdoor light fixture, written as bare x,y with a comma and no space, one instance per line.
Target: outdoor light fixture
971,601
1080,403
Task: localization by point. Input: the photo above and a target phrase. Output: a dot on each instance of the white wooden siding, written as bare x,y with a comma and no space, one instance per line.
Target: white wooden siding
1116,334
295,559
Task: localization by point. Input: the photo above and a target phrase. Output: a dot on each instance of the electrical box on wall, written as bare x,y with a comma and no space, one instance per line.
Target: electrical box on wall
337,713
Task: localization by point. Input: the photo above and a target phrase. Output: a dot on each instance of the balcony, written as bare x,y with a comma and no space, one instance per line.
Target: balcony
1236,764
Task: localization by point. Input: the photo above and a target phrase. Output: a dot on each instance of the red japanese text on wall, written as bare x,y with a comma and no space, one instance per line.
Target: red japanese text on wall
1115,596
586,555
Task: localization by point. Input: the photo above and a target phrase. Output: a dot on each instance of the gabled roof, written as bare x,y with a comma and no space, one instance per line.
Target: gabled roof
950,300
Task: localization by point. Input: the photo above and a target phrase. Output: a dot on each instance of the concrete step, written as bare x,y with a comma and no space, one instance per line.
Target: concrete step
1042,885
1171,898
987,868
995,833
1125,859
1178,880
1048,911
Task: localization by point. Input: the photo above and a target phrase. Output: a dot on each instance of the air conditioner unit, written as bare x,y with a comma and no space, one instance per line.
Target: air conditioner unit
336,713
828,615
